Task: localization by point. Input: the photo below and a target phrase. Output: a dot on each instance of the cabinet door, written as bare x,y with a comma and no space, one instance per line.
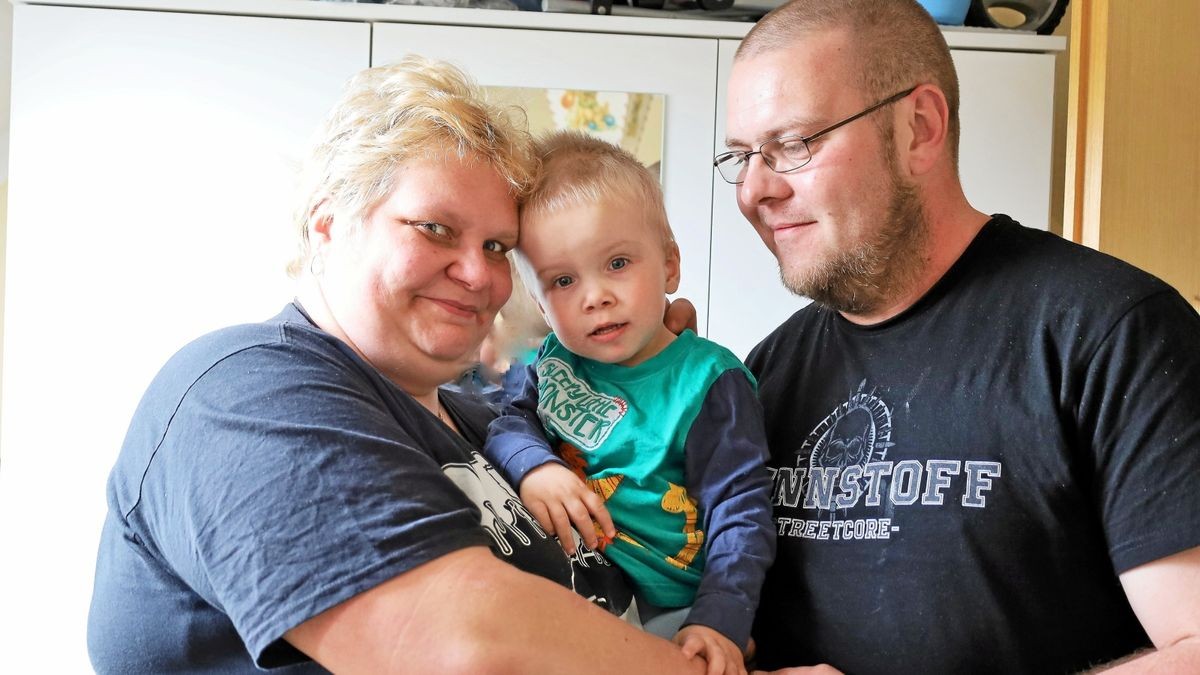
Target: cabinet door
682,69
153,159
747,299
1007,119
1006,114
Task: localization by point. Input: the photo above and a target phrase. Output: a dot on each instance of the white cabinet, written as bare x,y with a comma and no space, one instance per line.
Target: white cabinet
1006,107
151,188
683,70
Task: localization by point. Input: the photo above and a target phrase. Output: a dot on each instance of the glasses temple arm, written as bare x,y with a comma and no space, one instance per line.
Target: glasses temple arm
868,111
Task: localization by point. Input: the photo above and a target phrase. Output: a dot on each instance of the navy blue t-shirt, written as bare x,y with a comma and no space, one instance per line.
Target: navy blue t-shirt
269,474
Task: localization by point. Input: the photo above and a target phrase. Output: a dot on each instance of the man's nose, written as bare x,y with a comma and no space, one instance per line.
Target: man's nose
761,183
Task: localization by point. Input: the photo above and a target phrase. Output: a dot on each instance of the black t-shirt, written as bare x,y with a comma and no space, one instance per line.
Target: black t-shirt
956,489
269,474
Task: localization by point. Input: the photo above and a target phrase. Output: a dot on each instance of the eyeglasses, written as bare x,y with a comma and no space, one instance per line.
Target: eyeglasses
786,153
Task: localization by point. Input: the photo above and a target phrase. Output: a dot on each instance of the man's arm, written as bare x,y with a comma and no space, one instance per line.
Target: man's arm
1165,596
467,612
1140,408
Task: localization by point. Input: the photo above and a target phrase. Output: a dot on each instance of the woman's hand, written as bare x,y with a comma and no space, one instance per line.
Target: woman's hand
723,657
557,499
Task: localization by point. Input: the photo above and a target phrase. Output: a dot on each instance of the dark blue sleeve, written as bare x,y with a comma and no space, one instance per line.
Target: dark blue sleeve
283,483
516,442
727,473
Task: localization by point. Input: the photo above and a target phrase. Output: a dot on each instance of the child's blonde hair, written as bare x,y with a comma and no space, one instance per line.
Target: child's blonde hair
579,169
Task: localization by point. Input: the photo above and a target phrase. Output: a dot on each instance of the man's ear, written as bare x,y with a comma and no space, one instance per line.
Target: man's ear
672,267
926,131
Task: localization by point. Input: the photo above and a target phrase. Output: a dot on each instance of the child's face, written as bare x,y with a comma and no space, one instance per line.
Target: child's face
602,277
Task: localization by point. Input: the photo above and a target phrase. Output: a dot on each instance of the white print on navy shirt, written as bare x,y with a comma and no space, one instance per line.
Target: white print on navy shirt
843,463
501,512
507,520
580,415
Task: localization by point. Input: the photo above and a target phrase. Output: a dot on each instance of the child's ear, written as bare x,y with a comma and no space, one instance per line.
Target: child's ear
672,267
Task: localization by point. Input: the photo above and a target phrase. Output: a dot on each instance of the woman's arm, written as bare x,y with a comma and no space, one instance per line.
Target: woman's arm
467,612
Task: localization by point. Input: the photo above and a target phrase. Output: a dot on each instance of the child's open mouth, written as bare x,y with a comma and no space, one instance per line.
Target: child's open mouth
606,329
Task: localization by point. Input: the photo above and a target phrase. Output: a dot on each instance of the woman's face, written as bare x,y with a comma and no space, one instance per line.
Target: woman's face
417,285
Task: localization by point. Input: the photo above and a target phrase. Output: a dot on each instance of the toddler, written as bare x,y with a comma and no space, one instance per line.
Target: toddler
650,444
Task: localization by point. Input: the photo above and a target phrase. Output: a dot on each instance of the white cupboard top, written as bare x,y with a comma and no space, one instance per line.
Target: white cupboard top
956,37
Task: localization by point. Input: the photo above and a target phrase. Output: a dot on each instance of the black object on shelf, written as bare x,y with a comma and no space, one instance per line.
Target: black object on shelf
1040,16
605,6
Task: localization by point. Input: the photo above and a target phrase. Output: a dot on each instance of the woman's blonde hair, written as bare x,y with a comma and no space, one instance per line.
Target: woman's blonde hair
417,108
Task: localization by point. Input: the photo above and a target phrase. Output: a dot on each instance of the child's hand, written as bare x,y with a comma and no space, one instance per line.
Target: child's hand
723,657
558,499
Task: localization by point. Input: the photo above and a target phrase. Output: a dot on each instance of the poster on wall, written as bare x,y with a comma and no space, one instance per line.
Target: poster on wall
633,121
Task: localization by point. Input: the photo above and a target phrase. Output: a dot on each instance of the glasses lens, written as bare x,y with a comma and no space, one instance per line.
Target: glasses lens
732,167
786,154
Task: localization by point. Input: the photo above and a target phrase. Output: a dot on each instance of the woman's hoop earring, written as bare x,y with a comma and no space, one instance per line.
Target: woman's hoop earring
316,265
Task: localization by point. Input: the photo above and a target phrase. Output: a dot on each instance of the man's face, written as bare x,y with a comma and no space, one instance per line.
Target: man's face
845,228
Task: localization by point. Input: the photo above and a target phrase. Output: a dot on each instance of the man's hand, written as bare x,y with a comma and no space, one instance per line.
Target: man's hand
723,657
679,315
557,499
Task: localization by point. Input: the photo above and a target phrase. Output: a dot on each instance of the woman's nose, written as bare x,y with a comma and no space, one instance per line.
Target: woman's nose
471,269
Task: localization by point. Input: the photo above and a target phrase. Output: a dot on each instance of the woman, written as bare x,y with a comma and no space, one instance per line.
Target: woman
298,489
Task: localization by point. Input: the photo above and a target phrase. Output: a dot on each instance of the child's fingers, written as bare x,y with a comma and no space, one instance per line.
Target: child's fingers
691,646
562,528
583,522
542,515
595,506
734,664
716,659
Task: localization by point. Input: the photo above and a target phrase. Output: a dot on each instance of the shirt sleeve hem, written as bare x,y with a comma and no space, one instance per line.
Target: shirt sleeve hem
260,640
1128,556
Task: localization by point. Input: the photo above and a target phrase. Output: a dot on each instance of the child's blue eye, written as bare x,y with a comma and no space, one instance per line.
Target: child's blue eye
562,282
618,263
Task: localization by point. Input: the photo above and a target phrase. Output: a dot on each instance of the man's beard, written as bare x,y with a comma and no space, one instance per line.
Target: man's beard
863,279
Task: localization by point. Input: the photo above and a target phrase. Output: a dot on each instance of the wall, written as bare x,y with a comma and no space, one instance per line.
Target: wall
5,87
1062,71
1133,145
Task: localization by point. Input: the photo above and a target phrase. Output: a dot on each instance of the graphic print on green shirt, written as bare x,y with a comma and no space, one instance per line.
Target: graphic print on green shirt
623,430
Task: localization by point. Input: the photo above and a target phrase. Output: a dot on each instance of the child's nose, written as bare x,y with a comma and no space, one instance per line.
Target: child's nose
598,297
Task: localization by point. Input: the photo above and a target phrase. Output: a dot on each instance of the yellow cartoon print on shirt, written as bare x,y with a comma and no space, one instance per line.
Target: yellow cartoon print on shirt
676,500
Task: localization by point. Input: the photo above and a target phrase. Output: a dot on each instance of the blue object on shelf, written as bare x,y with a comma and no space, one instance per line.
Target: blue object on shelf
947,12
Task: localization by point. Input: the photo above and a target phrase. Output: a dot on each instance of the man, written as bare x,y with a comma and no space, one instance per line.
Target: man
984,438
